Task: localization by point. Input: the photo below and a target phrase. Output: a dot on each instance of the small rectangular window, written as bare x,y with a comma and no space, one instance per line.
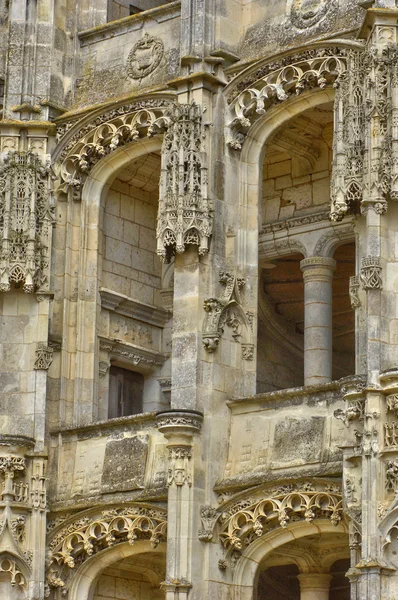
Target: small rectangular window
134,9
126,390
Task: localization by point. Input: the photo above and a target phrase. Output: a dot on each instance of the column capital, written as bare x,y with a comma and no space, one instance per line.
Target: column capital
316,262
179,425
314,583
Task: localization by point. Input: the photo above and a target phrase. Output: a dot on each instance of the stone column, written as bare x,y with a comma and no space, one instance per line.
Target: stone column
179,428
318,274
314,586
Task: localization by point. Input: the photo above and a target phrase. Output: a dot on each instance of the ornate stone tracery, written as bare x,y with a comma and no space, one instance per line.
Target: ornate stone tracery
365,174
70,546
249,519
281,81
185,212
108,132
26,219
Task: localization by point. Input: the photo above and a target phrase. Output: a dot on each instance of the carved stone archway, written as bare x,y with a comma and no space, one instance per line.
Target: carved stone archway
80,549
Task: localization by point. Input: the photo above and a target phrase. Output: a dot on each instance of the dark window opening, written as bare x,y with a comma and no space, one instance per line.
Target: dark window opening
134,9
126,390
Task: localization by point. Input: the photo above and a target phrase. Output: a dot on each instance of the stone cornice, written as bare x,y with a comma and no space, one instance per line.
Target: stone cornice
130,353
105,428
129,307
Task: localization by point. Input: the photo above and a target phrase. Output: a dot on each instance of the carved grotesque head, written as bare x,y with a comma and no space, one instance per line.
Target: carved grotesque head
307,13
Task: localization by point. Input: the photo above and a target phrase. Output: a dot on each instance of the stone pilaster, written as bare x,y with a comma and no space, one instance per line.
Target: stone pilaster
180,428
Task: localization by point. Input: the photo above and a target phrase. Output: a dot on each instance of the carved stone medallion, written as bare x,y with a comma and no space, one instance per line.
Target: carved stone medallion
307,13
144,57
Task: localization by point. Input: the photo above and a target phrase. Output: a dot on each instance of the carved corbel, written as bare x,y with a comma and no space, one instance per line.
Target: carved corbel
209,516
370,276
227,311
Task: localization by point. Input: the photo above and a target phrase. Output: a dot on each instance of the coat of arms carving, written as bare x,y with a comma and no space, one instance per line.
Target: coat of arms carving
144,57
307,13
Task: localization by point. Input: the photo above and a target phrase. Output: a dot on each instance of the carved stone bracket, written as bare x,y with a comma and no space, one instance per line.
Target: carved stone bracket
185,213
352,390
371,273
26,219
227,311
209,516
44,357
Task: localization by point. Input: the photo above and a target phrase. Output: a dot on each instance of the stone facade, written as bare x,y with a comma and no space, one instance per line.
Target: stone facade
198,300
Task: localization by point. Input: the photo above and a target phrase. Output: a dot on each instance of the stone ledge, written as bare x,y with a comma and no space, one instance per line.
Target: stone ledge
129,307
130,23
103,428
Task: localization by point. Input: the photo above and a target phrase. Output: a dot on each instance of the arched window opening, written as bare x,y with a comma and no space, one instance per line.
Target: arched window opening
136,303
306,333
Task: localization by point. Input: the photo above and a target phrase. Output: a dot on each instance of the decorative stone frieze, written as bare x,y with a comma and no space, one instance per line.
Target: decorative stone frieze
227,311
74,543
209,516
26,219
370,276
248,520
44,357
144,57
185,212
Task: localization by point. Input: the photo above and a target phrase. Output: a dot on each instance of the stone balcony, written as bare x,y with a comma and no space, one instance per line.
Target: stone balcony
284,434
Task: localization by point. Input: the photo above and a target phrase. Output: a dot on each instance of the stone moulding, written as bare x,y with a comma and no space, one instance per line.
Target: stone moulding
129,307
315,68
71,545
244,521
131,353
26,220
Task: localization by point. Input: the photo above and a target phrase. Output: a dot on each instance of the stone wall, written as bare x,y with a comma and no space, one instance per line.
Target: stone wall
130,264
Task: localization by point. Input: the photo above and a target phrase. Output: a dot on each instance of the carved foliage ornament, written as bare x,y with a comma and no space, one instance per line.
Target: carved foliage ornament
281,81
227,311
185,213
365,169
371,273
106,134
86,536
144,57
26,219
242,526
